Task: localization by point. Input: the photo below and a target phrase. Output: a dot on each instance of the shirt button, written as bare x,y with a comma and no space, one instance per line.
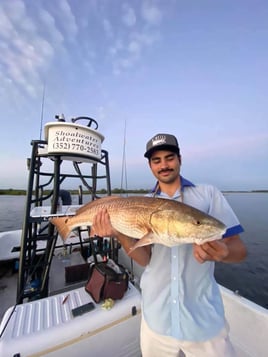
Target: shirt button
174,256
174,278
174,301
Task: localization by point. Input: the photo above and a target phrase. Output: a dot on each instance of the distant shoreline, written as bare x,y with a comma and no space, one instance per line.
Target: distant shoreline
19,192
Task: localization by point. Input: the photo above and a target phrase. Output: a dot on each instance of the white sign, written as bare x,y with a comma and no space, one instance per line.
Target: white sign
69,138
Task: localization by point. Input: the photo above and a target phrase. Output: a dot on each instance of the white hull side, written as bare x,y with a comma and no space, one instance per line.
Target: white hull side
248,321
46,327
248,324
10,243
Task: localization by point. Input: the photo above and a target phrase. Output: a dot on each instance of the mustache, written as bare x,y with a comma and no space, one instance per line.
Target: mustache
165,170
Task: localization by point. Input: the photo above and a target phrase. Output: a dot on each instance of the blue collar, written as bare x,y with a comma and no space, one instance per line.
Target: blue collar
184,183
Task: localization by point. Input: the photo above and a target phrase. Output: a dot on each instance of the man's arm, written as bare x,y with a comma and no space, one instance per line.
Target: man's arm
102,227
227,250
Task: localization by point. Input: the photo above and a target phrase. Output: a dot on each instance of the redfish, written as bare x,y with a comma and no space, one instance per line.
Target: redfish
150,220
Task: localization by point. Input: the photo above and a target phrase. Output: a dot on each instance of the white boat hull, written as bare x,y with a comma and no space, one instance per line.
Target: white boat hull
10,243
248,324
46,327
248,321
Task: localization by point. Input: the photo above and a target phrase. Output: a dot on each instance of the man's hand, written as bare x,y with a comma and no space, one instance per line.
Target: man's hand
216,251
227,250
102,225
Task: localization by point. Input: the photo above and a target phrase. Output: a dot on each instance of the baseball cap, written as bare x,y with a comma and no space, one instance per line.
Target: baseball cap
162,142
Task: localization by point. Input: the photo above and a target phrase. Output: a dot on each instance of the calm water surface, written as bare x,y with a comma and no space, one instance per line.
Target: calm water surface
250,278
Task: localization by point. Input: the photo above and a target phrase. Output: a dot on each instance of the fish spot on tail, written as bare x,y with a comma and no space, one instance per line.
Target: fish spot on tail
61,224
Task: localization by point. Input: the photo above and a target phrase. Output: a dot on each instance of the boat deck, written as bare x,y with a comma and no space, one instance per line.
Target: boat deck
47,327
248,321
9,276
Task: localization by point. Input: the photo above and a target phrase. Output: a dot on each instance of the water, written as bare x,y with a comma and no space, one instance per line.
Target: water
250,277
11,212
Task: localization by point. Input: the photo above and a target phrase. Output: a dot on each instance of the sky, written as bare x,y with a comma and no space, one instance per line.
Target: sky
196,69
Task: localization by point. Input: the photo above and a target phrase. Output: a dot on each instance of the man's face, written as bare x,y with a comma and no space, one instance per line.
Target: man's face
165,165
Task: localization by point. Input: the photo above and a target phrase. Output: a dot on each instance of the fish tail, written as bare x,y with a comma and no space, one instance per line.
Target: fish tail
61,223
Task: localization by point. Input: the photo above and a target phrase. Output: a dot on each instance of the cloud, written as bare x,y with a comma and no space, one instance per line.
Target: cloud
127,54
134,47
33,37
68,21
141,32
151,14
107,28
16,10
146,38
49,23
25,54
129,16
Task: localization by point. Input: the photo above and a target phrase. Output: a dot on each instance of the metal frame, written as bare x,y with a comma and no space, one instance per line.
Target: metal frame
35,265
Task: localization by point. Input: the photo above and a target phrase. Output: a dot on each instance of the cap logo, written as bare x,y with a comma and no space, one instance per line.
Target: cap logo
159,140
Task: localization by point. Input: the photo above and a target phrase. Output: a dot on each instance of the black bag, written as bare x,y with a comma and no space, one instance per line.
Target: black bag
105,282
75,273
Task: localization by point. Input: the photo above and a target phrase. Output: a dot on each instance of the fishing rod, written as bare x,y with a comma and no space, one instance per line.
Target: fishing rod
124,162
42,111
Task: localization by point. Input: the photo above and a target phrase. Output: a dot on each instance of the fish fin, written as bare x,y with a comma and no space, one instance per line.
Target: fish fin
95,202
61,223
145,240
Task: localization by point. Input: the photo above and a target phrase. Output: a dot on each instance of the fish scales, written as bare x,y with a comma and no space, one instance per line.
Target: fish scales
149,219
127,216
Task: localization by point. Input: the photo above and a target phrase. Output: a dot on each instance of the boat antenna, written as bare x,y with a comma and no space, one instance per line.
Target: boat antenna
124,162
42,111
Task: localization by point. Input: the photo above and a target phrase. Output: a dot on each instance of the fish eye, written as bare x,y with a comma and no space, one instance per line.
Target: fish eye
198,223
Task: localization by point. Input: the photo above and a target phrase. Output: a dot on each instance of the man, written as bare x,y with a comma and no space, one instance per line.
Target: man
182,310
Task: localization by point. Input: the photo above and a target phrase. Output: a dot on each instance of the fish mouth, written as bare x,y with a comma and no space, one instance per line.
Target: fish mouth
210,238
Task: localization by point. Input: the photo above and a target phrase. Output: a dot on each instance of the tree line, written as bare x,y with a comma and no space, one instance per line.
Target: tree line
19,192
